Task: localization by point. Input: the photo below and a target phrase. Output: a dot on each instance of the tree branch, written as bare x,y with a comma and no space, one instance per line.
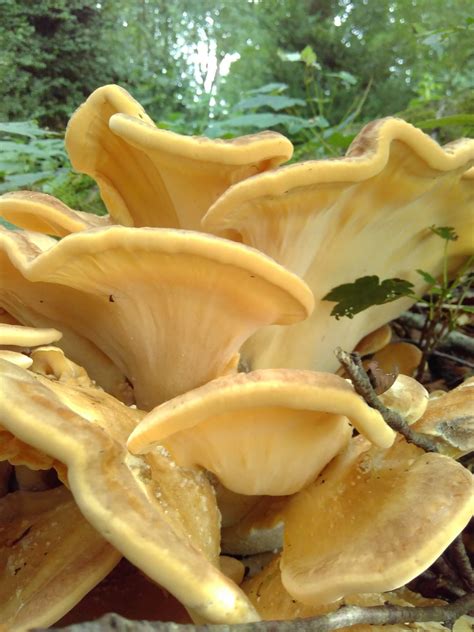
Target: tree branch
346,616
353,365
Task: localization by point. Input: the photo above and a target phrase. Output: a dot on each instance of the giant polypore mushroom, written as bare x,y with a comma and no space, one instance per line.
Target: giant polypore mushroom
152,177
50,555
266,432
43,213
374,520
121,496
169,308
332,221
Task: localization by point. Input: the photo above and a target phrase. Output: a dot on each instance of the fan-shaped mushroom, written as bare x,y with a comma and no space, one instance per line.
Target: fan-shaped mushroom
332,221
266,432
152,177
170,308
373,520
119,496
50,556
45,214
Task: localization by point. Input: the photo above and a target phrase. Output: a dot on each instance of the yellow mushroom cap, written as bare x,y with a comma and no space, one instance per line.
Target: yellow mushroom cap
449,420
373,520
375,341
407,396
403,357
333,221
170,308
118,495
45,214
248,428
20,336
23,337
152,177
50,556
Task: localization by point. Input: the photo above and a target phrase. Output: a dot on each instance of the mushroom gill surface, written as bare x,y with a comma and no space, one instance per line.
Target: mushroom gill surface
153,177
266,432
333,221
120,497
169,308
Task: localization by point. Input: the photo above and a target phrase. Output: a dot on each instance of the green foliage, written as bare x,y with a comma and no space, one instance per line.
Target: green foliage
29,155
365,292
443,300
53,53
34,158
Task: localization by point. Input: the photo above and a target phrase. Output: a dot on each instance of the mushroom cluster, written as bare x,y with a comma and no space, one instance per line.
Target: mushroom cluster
167,373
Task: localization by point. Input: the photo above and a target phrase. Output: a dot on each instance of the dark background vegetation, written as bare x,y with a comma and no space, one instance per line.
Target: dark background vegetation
315,70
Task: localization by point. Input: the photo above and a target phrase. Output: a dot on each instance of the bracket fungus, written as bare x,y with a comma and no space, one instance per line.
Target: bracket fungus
374,520
244,428
154,315
151,300
14,339
44,213
118,496
449,420
332,221
50,555
153,177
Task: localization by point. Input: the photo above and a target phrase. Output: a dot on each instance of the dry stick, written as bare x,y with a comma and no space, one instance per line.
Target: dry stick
440,583
346,616
353,365
459,556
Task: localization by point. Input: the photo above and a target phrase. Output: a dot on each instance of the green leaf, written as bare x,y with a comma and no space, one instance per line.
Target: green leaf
24,128
427,277
275,102
352,298
445,232
269,87
467,309
309,57
445,121
344,76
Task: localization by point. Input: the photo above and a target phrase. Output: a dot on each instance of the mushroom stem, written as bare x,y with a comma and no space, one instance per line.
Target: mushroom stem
353,365
344,617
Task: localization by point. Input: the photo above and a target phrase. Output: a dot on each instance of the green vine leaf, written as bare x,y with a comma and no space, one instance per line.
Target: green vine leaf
352,298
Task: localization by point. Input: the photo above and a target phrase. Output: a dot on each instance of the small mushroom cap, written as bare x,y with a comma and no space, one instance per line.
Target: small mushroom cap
161,178
51,362
373,521
398,356
243,427
328,221
20,359
375,341
136,295
117,494
407,396
43,213
449,420
20,336
51,557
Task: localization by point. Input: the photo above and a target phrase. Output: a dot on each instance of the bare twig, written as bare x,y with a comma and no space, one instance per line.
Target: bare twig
453,340
353,365
458,554
346,616
436,585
